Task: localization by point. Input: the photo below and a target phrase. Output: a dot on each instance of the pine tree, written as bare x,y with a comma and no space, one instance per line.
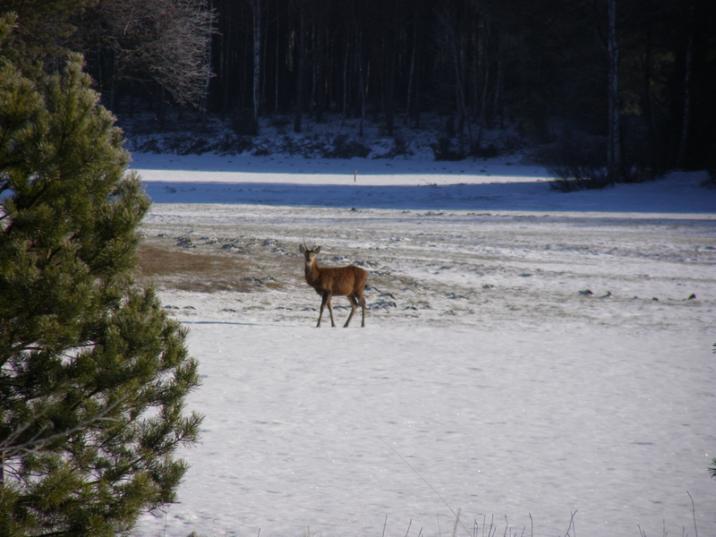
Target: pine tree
42,31
93,374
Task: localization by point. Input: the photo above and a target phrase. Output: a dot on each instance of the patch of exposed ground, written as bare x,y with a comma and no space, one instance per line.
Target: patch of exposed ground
170,266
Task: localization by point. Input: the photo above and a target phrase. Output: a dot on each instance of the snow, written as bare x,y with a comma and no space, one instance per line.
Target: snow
502,184
487,379
244,168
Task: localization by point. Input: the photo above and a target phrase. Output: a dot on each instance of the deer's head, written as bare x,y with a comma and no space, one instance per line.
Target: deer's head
309,253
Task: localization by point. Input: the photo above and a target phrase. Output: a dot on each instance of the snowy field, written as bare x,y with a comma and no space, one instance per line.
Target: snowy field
531,358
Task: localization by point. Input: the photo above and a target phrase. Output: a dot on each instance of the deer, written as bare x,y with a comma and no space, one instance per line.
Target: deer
339,281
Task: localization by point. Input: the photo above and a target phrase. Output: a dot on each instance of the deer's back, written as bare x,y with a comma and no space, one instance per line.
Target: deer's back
342,280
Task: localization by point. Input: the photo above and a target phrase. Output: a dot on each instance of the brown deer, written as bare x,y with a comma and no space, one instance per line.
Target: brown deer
340,281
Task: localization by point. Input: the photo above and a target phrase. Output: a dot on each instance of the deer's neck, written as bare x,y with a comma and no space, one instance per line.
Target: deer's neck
312,273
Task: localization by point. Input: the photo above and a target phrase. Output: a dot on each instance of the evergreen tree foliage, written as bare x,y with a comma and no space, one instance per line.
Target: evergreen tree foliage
93,374
42,31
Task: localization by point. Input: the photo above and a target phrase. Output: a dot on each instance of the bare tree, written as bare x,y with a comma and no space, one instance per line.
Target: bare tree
164,41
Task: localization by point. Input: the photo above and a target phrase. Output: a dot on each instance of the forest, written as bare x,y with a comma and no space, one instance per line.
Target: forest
629,82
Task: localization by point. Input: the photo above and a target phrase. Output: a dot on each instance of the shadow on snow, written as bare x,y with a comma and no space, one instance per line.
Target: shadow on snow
666,196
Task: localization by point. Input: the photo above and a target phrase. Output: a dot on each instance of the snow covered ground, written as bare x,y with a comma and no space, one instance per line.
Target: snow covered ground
528,354
506,183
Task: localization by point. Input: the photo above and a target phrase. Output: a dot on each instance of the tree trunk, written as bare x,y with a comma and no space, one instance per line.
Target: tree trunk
451,27
648,104
483,41
110,77
298,117
225,67
476,46
614,158
204,105
256,83
346,59
389,84
495,115
458,55
686,105
411,71
361,82
497,102
314,72
277,64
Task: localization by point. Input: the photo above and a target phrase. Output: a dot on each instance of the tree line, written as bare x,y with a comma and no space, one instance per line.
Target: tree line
542,67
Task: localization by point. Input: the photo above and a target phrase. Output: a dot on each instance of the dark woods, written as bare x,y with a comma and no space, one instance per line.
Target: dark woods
635,88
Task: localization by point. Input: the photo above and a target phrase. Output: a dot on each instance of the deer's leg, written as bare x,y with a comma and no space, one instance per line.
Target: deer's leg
361,301
324,297
330,310
353,301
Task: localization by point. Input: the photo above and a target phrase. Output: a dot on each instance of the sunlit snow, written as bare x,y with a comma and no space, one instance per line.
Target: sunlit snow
529,356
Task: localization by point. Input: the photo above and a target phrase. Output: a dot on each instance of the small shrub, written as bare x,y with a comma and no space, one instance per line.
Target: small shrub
186,144
484,151
261,151
288,145
194,146
638,173
450,130
399,148
150,146
231,144
280,122
711,181
444,149
511,143
578,163
243,123
579,177
175,143
343,147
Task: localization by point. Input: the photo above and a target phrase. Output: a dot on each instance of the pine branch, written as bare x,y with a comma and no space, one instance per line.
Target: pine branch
13,446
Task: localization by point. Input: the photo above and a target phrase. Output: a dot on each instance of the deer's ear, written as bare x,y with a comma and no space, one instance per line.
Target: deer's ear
317,249
301,248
